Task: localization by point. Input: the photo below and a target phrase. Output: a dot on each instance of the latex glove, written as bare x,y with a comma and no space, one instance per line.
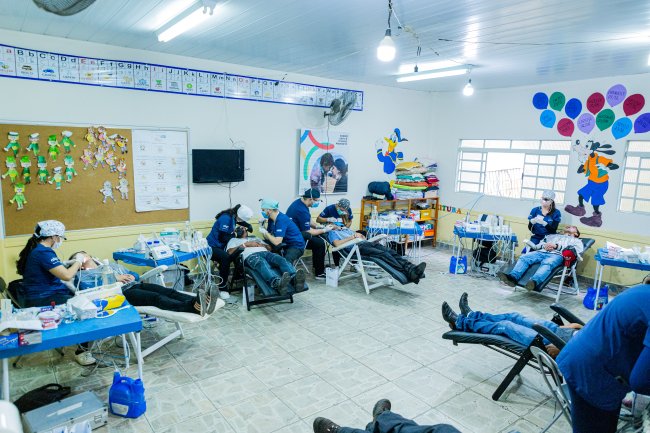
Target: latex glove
79,259
331,220
327,229
542,222
263,231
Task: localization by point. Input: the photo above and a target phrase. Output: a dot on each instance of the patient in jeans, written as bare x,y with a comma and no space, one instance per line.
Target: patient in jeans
512,325
276,271
142,294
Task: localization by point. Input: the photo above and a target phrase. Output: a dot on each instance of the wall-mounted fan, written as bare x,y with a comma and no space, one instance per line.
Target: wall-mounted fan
64,7
340,108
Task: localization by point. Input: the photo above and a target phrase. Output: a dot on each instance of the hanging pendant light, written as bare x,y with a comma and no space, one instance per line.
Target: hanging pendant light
468,90
386,48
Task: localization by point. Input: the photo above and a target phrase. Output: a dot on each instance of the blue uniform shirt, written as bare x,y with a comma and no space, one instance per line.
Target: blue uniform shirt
607,348
38,281
225,224
284,228
552,221
331,212
299,214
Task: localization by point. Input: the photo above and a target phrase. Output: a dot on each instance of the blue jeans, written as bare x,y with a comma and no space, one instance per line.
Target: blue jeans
590,419
548,262
270,266
511,325
391,422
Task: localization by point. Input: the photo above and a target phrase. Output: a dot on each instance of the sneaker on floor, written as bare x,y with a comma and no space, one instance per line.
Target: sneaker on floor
531,285
320,277
324,425
507,279
299,281
85,358
380,407
464,304
449,315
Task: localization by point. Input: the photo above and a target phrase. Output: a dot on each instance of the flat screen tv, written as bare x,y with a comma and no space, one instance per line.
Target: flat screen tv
217,165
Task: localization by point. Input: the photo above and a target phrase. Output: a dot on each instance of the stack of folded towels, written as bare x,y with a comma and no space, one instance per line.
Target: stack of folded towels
431,179
410,181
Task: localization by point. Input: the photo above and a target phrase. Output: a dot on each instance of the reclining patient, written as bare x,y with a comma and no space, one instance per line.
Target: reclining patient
412,272
277,272
141,294
512,325
548,253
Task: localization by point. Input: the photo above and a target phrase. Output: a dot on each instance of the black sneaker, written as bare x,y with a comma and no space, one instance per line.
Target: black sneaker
419,269
531,285
464,305
299,281
283,282
380,407
507,279
449,315
324,425
320,277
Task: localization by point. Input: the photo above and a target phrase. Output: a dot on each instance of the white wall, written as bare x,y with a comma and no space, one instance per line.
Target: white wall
269,131
509,114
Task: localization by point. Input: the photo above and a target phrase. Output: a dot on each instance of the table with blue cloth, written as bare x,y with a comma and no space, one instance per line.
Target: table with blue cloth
411,234
126,321
602,259
506,243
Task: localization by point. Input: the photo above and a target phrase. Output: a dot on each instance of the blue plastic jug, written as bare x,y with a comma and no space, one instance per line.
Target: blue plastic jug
126,397
462,265
590,297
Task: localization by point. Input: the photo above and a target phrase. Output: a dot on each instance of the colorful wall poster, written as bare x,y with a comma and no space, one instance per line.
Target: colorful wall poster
324,161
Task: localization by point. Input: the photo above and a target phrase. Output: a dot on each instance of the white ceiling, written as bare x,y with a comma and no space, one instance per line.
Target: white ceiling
510,42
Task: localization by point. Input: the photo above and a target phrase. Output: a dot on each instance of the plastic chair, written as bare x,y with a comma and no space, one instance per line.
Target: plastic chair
555,384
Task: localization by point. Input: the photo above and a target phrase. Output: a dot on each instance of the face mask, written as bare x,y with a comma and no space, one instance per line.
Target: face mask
341,212
315,204
56,244
265,215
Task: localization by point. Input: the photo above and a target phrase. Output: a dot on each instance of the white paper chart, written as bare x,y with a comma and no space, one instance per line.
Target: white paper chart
63,68
160,170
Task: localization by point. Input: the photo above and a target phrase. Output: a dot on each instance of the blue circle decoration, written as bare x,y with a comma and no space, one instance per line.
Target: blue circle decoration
540,100
547,118
573,108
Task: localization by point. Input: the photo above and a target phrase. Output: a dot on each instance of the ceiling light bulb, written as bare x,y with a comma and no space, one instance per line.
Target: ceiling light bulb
386,48
468,90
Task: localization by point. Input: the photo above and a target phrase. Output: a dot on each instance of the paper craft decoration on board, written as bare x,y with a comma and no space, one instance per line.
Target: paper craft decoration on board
19,196
595,168
390,157
323,161
596,115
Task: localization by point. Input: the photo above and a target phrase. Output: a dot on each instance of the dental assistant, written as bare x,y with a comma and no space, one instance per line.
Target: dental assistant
544,219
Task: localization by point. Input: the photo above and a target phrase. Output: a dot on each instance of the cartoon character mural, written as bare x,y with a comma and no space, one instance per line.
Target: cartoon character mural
42,172
66,141
33,143
596,169
390,157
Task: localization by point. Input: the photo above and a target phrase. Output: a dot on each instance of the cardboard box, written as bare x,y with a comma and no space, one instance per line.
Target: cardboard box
425,214
9,341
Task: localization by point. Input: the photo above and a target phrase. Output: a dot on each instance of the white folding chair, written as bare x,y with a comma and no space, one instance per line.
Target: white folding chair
557,386
360,265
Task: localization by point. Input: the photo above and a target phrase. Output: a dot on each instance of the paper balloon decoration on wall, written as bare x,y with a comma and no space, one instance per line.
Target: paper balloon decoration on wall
621,127
565,127
604,119
633,104
540,100
616,94
595,102
586,122
642,123
547,118
573,108
557,101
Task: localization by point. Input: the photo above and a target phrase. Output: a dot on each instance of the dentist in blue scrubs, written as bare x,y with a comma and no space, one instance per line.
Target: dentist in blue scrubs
281,230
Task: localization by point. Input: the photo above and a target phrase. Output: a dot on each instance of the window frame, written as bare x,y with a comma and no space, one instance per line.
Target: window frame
642,155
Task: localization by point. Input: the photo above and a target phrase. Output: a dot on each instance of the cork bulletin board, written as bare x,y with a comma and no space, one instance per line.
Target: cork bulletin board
78,203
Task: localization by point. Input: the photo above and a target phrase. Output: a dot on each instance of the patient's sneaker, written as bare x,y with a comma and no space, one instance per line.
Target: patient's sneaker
85,358
203,302
324,425
507,279
380,407
299,281
464,305
531,285
419,269
280,284
449,315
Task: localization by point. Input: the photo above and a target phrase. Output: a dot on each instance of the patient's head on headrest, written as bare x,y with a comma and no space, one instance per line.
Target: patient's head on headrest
240,232
89,262
572,231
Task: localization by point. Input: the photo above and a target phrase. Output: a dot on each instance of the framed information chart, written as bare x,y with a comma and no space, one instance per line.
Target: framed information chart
16,62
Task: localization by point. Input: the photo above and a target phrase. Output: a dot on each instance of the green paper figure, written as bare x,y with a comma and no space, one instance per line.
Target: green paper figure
53,147
67,143
69,168
56,177
19,197
42,172
33,143
11,169
25,163
13,143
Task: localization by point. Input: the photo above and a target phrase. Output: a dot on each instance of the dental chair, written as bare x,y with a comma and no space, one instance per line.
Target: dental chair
252,279
522,354
364,266
561,270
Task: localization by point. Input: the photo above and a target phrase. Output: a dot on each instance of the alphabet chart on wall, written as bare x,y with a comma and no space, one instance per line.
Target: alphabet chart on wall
160,165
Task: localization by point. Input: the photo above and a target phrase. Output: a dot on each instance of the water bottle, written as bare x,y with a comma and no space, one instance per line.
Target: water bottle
188,231
106,273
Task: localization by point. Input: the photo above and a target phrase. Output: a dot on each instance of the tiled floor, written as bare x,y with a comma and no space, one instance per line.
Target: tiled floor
333,353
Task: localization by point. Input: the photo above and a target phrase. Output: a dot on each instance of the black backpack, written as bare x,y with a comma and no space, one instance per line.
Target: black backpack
41,396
